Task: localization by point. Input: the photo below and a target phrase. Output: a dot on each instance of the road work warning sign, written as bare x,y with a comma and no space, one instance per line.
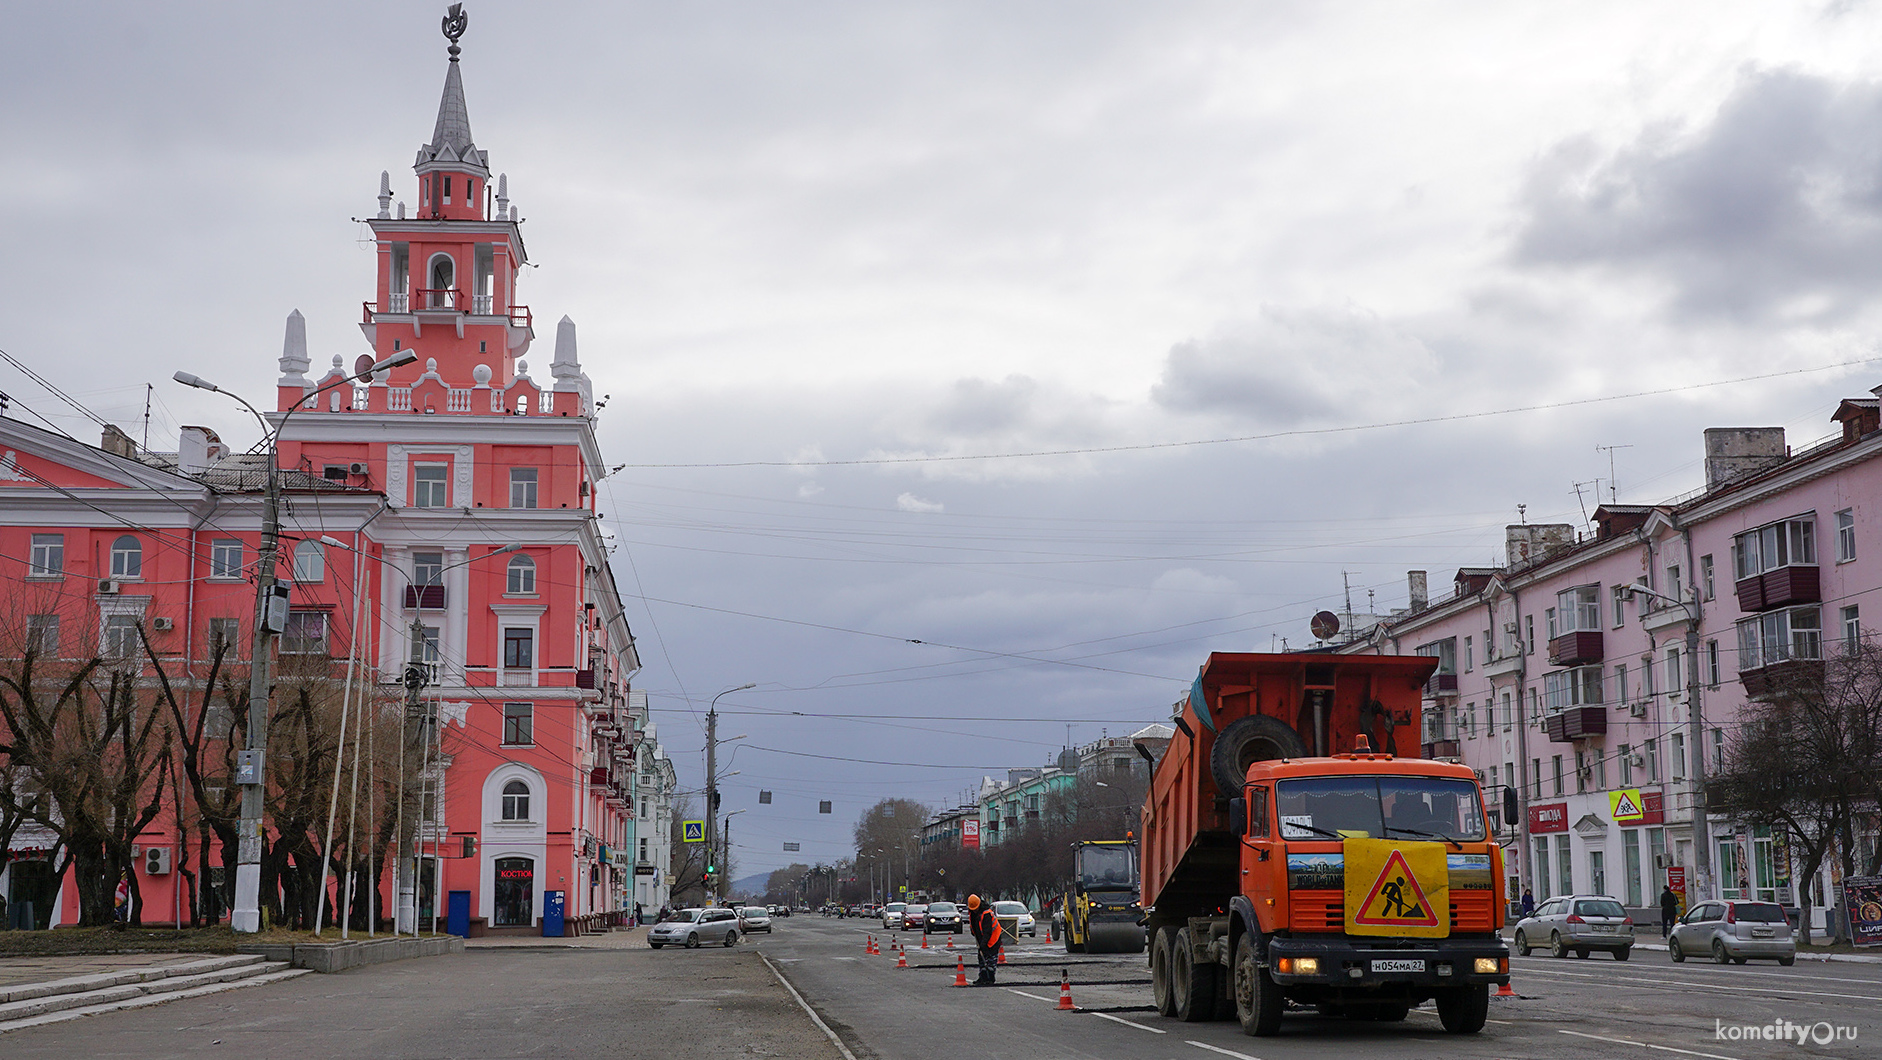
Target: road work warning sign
1397,888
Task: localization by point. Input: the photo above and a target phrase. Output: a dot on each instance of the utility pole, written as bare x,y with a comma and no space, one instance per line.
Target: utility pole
271,612
407,908
712,789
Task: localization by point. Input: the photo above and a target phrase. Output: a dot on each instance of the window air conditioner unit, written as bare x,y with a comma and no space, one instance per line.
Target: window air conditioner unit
108,587
1638,710
163,625
356,468
156,861
1638,761
1659,861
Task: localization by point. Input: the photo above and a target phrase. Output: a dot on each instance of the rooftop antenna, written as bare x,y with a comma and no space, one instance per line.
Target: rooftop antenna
148,389
1613,493
1347,583
1584,503
1522,514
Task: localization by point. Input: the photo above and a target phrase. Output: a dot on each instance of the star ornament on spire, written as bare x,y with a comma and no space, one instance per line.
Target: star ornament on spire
455,22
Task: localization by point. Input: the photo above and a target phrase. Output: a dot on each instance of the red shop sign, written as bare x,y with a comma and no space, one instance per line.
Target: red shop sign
1550,818
515,874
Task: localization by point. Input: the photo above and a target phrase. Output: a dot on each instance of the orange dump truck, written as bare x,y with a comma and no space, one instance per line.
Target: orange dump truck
1291,854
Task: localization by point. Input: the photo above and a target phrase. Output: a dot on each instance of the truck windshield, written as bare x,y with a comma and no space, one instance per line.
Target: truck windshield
1378,808
1105,867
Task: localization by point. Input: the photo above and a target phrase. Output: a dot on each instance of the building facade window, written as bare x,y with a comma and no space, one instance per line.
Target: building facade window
310,563
1845,535
1618,600
1705,576
1578,687
1627,765
120,637
521,579
1852,629
1677,751
1557,763
1529,634
225,637
1787,543
1779,636
225,558
1578,610
431,486
127,558
305,633
519,724
42,634
48,559
522,487
1712,663
519,654
516,801
1650,755
1675,672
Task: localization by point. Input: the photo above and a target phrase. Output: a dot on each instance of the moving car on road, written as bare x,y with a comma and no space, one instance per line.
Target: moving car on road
754,918
690,927
892,915
1016,918
1579,922
914,916
1734,931
942,916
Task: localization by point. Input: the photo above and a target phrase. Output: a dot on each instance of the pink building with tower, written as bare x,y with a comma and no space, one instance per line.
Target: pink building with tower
453,500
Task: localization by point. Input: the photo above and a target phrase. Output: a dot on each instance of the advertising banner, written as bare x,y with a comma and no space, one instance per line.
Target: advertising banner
1552,817
1864,896
970,833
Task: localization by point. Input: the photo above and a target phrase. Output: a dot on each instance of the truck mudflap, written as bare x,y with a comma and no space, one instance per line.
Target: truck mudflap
1337,962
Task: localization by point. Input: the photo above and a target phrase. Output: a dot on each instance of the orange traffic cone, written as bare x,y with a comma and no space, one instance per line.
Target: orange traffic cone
924,940
1065,990
1504,990
950,942
960,972
1002,954
870,945
901,958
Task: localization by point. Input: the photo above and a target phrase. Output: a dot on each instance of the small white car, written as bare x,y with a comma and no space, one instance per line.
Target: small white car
1016,918
892,915
690,927
754,918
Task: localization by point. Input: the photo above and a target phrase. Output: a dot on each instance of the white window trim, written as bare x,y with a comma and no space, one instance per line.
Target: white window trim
519,616
399,460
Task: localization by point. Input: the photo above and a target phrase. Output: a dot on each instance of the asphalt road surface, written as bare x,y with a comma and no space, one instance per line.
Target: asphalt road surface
1647,1007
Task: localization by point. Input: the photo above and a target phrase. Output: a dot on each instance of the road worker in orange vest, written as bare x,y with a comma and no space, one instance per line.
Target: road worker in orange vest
987,934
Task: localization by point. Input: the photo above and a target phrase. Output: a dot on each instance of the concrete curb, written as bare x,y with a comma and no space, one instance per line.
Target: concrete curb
1802,955
105,980
329,957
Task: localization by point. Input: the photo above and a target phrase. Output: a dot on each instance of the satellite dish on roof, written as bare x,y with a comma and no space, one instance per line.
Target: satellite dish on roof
363,364
1068,761
1325,624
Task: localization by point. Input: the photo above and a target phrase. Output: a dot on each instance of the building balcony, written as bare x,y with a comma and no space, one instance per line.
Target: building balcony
598,777
1779,588
1576,723
1503,665
1440,685
584,679
1779,678
1575,649
432,302
1441,749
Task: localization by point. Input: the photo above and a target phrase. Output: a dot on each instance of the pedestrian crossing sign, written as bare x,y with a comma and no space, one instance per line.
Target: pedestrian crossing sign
692,831
1627,806
1397,888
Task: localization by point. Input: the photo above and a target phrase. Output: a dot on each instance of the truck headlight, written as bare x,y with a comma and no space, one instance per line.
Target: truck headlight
1299,965
1489,965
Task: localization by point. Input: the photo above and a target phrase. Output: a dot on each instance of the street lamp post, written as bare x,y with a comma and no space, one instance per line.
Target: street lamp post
270,619
712,784
1695,718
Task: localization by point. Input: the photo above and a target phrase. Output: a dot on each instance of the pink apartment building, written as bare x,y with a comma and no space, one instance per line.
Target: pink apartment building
1561,681
401,489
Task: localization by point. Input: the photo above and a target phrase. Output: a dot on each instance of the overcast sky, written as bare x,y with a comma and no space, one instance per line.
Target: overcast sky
826,232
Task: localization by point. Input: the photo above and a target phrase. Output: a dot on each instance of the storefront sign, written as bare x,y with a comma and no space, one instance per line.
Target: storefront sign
1676,880
1652,807
1550,818
645,870
970,833
1864,897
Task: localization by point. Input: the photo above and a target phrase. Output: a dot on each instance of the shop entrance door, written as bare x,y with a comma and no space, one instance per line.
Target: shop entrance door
515,892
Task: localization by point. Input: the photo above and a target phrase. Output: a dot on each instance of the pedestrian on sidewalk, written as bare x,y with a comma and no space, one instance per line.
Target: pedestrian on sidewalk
121,902
640,914
1669,908
986,928
1528,908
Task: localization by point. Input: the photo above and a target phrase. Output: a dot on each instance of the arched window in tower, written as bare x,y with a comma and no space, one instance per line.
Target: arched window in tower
310,563
516,801
127,558
441,290
522,580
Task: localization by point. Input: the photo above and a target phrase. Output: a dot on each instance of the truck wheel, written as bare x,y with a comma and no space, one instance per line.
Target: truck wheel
1256,738
1159,972
1257,999
1462,1009
1192,985
1070,946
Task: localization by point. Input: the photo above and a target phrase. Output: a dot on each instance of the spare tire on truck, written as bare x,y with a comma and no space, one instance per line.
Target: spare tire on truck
1256,738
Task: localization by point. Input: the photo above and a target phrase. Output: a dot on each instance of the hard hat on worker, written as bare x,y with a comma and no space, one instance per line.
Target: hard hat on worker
973,901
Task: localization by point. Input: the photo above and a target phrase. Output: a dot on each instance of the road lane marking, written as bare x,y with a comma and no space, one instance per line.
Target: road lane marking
1649,1045
1127,1023
808,1011
1035,997
1762,991
1224,1052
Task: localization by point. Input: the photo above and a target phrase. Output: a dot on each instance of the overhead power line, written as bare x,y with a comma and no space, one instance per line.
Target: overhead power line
1298,433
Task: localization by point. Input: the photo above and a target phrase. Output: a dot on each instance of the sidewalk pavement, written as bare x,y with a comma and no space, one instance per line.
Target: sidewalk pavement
45,969
1802,954
617,939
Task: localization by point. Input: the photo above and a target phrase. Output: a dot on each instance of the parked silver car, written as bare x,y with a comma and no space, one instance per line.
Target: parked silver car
690,927
1579,922
1734,931
1016,918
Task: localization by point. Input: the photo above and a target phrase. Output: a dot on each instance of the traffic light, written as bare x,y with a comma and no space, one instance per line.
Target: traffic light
715,800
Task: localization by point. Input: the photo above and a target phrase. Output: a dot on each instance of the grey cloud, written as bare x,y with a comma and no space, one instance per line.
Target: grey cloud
1772,210
1291,365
